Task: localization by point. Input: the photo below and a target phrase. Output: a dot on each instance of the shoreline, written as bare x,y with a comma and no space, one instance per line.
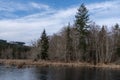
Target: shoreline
30,63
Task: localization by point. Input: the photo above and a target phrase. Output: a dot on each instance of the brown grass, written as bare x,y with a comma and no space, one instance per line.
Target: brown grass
29,63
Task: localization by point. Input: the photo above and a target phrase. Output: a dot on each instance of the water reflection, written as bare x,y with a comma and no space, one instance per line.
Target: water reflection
64,73
59,73
16,74
41,73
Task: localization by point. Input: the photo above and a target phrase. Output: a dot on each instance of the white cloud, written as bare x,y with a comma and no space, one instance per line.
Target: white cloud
39,6
105,13
12,6
29,27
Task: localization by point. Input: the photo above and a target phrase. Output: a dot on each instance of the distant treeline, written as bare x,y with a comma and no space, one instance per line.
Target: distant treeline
13,50
82,41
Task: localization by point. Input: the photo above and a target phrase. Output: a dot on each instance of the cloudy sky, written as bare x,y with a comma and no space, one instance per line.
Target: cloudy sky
24,20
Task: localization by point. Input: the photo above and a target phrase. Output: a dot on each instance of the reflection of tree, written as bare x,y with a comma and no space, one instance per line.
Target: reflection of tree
95,74
67,73
85,74
57,73
42,73
103,74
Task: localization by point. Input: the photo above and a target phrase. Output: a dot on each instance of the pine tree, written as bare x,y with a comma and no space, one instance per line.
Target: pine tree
81,22
69,47
117,39
44,45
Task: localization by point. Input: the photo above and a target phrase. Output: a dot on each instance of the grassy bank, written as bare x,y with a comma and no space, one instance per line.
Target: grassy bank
30,63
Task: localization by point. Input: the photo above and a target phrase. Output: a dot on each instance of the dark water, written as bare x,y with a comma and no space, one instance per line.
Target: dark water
60,73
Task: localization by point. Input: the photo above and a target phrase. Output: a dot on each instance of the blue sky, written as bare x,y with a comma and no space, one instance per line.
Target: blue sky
24,20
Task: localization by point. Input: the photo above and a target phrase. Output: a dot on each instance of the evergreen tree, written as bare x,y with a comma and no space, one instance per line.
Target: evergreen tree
117,39
69,47
44,45
82,20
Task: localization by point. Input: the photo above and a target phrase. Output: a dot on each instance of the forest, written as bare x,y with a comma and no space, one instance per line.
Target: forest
83,41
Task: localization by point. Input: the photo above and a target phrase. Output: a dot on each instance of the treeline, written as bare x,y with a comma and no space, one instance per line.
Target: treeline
13,50
82,41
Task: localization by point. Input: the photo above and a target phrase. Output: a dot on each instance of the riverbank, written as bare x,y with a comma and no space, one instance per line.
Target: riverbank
30,63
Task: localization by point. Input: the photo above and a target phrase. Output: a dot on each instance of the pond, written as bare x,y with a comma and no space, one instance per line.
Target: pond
58,73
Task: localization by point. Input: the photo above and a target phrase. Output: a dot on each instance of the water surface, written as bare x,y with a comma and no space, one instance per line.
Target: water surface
59,73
